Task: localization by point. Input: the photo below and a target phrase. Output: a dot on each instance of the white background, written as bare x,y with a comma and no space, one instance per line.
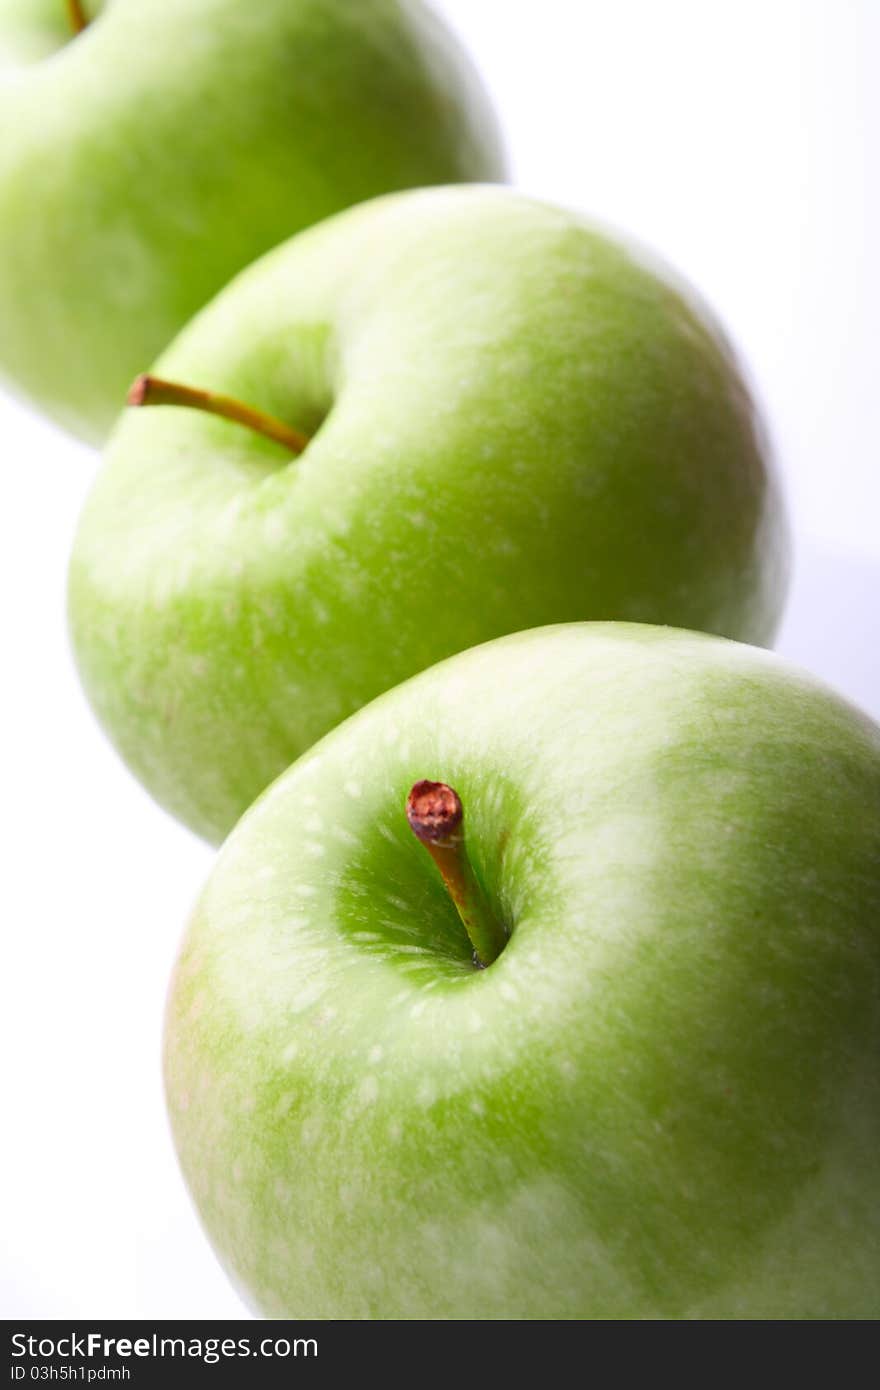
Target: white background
739,139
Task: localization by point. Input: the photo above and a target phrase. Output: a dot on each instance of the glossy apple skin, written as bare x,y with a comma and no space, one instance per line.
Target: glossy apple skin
524,424
146,161
662,1100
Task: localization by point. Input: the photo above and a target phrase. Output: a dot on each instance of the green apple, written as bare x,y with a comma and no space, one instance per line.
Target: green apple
661,1099
515,420
148,158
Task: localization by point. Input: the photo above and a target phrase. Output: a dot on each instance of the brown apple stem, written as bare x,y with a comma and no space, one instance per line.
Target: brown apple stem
436,817
77,16
152,390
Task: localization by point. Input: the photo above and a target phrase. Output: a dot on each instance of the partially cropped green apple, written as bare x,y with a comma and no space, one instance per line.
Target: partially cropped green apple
516,420
147,158
661,1099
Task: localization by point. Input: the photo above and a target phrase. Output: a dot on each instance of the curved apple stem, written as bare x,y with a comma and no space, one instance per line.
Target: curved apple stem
436,817
153,390
77,16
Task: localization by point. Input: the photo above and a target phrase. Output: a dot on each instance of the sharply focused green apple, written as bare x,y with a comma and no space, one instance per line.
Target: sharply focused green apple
662,1099
516,421
147,159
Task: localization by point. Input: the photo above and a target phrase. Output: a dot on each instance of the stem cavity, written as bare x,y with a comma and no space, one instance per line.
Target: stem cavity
153,390
436,817
76,16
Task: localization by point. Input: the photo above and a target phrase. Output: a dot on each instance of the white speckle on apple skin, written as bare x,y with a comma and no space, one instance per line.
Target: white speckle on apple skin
400,903
295,923
197,1007
274,527
311,1129
315,849
314,823
368,1092
375,1053
426,1093
306,997
353,789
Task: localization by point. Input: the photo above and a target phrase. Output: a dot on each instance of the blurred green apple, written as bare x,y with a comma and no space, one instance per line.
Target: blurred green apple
147,159
515,420
661,1100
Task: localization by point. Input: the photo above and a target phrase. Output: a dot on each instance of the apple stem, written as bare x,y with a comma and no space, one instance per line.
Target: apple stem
77,16
152,390
436,817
